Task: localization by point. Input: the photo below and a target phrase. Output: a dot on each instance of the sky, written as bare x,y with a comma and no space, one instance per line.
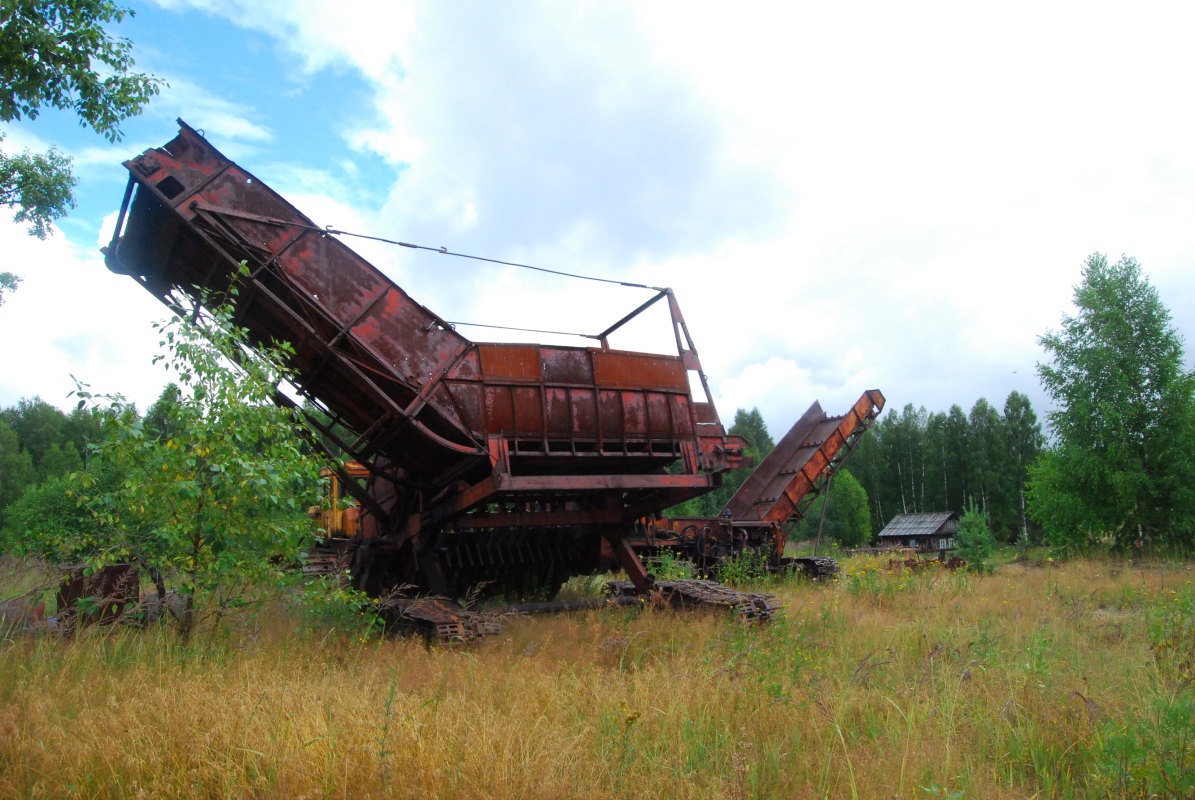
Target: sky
843,196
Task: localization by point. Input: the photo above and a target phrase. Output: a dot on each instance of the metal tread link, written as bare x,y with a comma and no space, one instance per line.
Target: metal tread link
446,622
812,566
444,619
692,592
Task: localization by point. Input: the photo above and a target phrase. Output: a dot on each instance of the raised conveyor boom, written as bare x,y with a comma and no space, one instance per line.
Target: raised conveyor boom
813,449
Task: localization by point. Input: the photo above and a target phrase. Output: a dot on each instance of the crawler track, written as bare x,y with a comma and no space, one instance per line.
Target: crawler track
444,621
695,593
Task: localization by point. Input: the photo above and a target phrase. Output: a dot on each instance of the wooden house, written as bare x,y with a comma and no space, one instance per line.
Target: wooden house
927,533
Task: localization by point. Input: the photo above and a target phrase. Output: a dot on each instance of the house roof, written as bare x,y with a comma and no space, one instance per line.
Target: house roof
917,524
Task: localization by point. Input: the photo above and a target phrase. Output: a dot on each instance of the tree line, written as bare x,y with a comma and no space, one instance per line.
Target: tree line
916,461
39,442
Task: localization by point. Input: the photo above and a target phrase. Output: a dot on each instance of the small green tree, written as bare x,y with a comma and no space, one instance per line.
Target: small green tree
848,517
58,461
218,507
974,542
38,425
158,419
1025,441
49,522
1123,465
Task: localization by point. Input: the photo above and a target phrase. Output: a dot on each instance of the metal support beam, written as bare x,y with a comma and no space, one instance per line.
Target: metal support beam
629,562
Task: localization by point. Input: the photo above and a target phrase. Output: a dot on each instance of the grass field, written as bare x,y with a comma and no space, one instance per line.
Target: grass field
1069,680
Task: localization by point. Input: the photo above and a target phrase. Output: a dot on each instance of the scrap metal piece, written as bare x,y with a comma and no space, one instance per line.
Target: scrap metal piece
697,593
812,566
102,596
443,620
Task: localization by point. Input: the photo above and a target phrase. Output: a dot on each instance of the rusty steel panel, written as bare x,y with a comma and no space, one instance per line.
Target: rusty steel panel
634,414
558,412
410,342
326,272
529,402
113,589
571,366
584,408
509,362
679,411
499,410
610,415
235,188
639,370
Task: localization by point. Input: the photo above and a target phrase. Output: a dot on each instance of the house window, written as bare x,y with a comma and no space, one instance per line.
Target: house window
941,544
950,542
912,543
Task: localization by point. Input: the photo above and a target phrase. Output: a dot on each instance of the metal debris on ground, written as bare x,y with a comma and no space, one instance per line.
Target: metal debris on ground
696,593
811,566
444,620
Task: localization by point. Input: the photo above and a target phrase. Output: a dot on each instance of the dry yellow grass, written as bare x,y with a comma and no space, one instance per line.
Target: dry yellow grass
1011,685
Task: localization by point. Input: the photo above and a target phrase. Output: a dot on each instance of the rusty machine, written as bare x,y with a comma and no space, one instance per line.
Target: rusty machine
506,466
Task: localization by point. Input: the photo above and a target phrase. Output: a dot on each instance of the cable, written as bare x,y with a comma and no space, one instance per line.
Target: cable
528,330
445,251
441,250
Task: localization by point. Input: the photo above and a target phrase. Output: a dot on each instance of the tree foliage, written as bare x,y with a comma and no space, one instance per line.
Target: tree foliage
973,541
751,426
848,517
214,497
1024,441
16,467
41,427
8,283
39,186
49,50
60,54
39,442
48,521
1122,468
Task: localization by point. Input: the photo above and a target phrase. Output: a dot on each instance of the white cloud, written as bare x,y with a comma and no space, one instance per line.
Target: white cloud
71,316
369,35
218,117
776,387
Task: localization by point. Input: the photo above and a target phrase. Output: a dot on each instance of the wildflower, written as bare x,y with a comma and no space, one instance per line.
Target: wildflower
631,716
